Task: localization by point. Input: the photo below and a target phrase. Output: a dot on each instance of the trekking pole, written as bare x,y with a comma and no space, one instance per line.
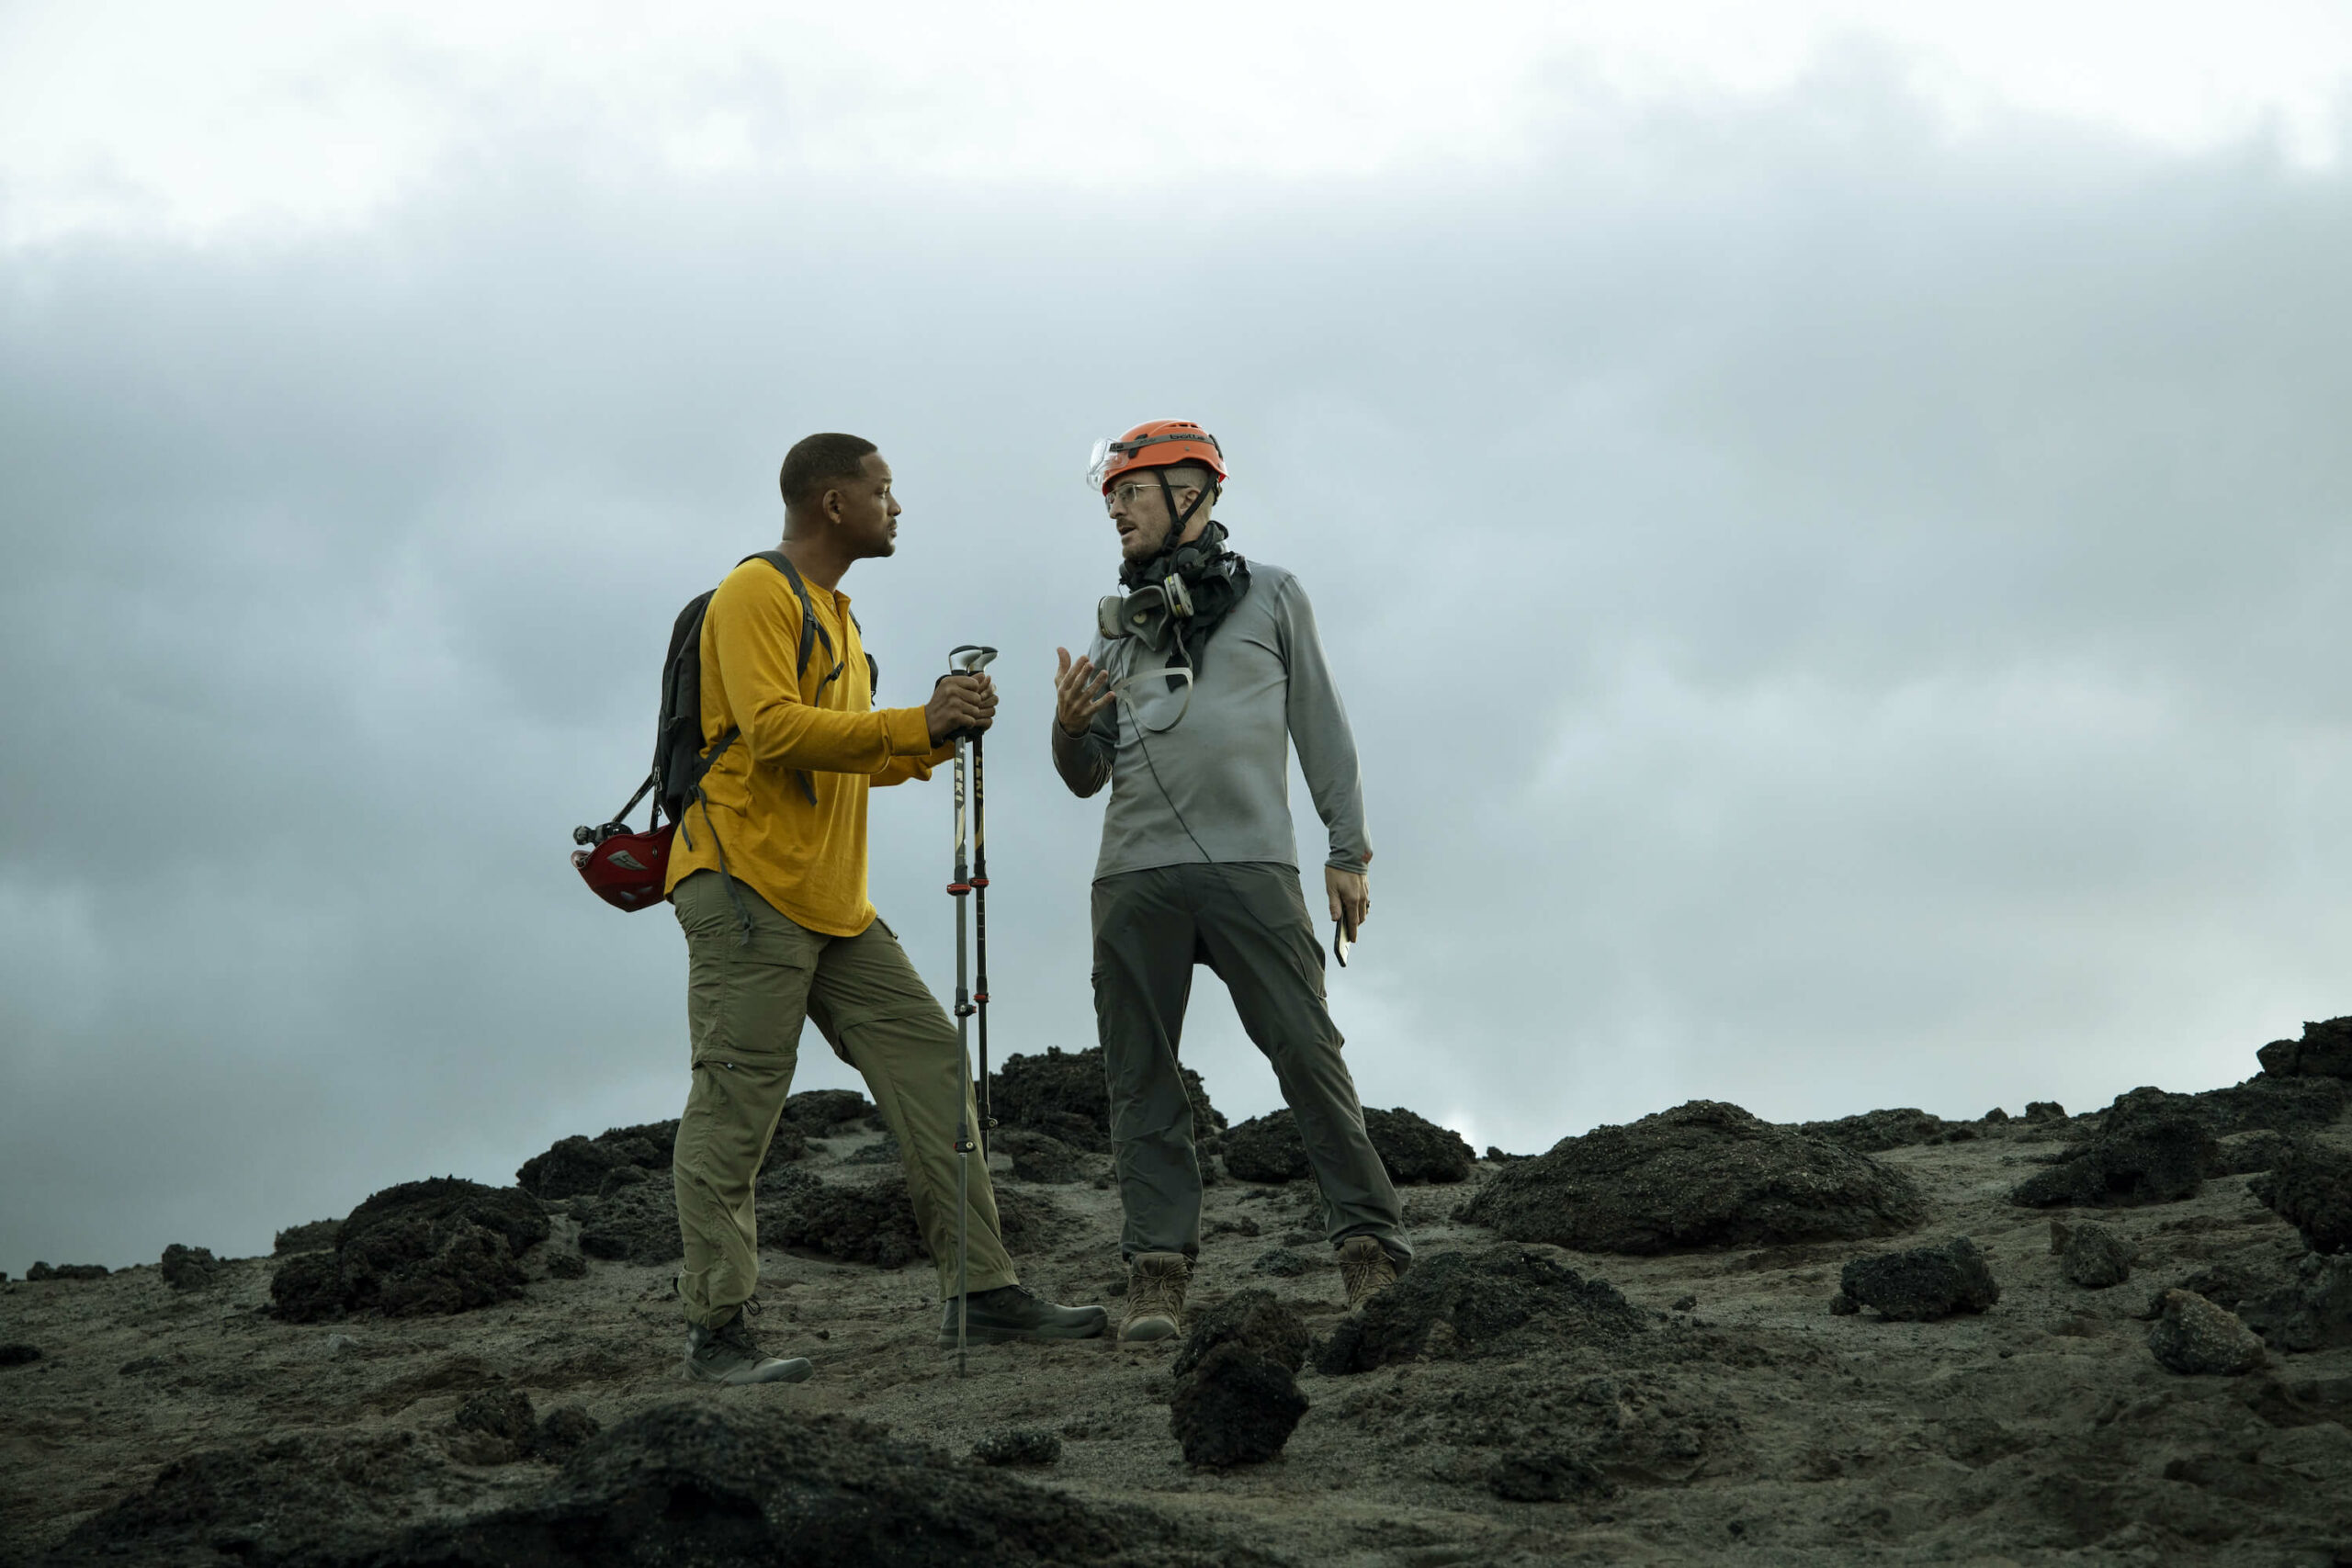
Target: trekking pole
968,661
981,933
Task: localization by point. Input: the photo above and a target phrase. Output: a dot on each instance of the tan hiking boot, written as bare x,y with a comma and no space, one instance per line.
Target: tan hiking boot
1156,1282
1365,1269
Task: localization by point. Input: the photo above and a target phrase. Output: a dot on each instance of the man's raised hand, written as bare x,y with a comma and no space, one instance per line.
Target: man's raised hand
1080,692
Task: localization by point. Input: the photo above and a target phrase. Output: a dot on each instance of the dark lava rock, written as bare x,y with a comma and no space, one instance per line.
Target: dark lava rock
1460,1305
699,1485
1703,1174
2093,1256
1495,1155
493,1426
1281,1263
874,1221
636,1224
1253,1319
2325,1051
1997,1115
1038,1156
39,1271
2196,1337
318,1236
563,1431
2312,1312
1268,1148
1237,1407
737,1484
1547,1475
2243,1154
2148,1149
2044,1110
1843,1305
18,1355
1923,1284
2273,1104
883,1150
1019,1445
585,1168
819,1113
437,1245
188,1268
1875,1131
1064,1095
2311,1189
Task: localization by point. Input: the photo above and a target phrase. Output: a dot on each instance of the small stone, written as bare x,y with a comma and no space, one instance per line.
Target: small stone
567,1266
1238,1407
1843,1305
1924,1283
1019,1445
501,1412
342,1345
2195,1338
562,1431
1281,1263
1253,1318
2097,1255
18,1355
1686,1304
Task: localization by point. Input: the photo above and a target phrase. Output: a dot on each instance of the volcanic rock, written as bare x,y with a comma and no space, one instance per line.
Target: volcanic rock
1461,1305
1253,1319
1237,1407
2311,1189
714,1486
1019,1445
874,1221
2325,1051
1280,1262
188,1268
494,1426
820,1112
2147,1149
2044,1110
563,1432
2273,1104
1703,1174
2313,1310
438,1246
39,1271
2196,1337
2093,1256
1064,1094
1874,1132
587,1168
318,1236
1922,1284
636,1224
1038,1156
18,1355
1268,1148
2243,1154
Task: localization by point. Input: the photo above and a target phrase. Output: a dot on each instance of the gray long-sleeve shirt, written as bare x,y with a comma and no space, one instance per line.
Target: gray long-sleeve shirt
1223,772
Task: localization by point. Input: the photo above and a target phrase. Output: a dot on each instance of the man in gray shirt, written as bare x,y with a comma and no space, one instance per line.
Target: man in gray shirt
1208,670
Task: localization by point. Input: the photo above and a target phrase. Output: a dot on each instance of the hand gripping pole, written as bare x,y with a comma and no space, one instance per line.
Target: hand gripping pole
967,660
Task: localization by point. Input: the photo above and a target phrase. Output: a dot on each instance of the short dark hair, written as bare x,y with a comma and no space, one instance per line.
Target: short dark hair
817,461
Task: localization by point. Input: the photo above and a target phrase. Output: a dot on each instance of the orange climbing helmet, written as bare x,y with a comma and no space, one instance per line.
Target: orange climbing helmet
1157,444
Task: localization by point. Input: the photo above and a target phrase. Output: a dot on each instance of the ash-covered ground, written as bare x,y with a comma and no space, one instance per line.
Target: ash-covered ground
2121,1336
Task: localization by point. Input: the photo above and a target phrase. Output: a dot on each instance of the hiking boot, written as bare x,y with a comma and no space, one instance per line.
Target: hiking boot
1156,1282
1011,1313
1365,1269
729,1354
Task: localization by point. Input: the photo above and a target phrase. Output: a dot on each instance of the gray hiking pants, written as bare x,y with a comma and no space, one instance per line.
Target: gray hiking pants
1248,924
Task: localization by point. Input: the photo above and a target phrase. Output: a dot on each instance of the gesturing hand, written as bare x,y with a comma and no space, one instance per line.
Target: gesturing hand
959,702
1080,692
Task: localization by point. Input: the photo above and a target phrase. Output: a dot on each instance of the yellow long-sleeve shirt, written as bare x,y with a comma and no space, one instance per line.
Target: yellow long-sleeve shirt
806,858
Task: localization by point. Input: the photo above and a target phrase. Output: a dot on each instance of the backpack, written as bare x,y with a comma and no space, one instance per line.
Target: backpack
627,869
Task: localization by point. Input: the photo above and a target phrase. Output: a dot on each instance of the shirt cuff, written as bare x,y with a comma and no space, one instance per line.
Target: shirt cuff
908,733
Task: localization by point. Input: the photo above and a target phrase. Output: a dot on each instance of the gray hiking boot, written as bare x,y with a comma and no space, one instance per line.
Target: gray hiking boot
1156,1282
1011,1313
1365,1269
729,1354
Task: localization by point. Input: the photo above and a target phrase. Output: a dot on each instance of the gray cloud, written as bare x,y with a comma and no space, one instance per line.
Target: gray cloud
1833,617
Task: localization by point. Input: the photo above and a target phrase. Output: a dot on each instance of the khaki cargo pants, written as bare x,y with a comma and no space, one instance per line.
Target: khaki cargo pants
744,1004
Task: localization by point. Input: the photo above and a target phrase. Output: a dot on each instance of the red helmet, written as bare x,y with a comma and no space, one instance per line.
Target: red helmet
1158,444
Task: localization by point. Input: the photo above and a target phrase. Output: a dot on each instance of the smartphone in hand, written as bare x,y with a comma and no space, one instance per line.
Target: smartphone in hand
1342,940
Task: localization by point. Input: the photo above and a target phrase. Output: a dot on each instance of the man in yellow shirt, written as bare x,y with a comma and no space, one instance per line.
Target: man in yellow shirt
767,874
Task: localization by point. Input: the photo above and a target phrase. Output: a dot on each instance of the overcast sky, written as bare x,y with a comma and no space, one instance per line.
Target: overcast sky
1832,535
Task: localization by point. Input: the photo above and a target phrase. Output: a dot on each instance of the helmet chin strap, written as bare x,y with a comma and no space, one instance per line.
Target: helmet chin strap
1176,528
